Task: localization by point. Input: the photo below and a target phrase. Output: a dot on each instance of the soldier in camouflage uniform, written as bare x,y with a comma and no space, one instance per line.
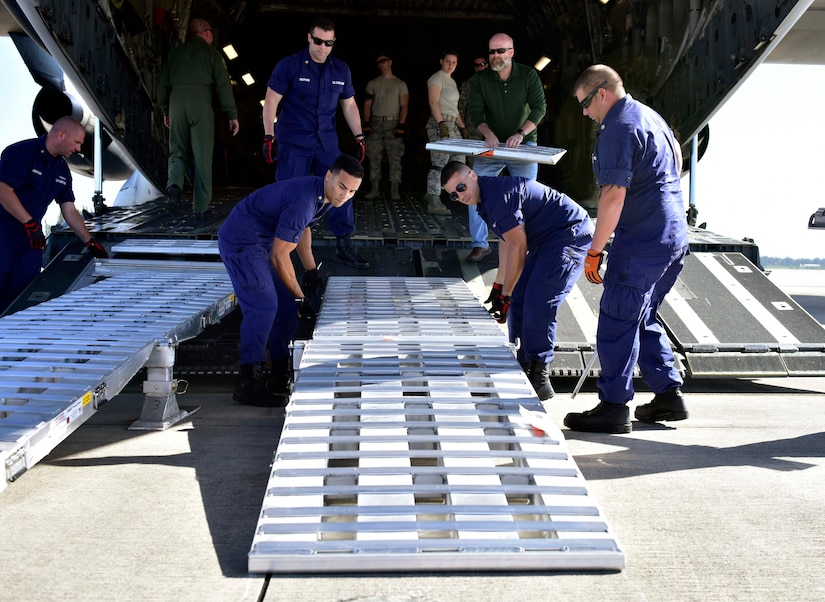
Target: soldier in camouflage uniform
444,122
385,114
472,133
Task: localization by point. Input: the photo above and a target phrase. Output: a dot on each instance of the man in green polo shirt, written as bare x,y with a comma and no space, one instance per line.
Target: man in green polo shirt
507,103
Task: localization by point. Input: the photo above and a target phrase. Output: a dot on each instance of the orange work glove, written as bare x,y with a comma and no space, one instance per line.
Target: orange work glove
592,264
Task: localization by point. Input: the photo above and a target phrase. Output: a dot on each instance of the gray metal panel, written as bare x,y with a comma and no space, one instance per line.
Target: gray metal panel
477,148
399,308
167,246
415,452
730,320
59,360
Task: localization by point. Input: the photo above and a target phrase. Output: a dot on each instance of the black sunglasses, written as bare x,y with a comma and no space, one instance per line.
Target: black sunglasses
382,61
585,102
319,41
477,65
499,50
460,187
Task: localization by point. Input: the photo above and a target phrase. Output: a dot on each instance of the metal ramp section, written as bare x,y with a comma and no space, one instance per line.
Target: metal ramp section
729,320
62,359
477,148
412,452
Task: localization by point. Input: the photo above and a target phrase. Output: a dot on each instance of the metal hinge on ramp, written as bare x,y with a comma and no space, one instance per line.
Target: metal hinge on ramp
409,452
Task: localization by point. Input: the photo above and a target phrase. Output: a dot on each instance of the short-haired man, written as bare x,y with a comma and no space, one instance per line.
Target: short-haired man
637,162
547,235
386,104
308,87
255,243
33,173
192,75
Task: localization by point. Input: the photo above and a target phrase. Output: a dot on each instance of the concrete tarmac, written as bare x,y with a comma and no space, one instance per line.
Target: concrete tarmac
727,505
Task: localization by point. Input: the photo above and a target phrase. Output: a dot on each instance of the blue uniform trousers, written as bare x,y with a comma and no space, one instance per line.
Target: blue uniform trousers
629,331
295,161
548,276
270,315
19,265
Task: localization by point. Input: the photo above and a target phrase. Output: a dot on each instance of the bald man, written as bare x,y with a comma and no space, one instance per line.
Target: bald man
33,173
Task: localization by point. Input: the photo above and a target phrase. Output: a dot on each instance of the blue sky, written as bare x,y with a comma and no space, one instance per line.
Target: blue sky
754,181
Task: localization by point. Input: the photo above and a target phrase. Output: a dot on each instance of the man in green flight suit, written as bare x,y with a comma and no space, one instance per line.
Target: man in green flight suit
192,74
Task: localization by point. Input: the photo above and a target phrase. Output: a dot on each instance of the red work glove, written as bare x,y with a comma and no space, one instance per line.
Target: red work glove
360,148
592,264
35,234
494,292
501,305
96,249
270,149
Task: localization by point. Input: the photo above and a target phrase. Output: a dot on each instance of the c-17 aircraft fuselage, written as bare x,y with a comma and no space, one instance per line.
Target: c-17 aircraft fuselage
682,57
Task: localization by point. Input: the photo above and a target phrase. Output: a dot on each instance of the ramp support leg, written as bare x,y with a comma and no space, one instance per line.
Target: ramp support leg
160,407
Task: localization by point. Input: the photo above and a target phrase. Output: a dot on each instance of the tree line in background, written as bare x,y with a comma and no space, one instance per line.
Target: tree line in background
817,263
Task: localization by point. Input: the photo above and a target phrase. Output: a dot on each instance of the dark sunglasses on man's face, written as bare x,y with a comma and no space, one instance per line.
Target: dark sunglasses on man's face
380,61
319,41
479,65
584,103
460,187
499,50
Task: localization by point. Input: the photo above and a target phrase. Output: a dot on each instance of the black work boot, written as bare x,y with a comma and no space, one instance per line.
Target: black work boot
252,390
279,377
669,405
173,202
604,418
539,374
345,253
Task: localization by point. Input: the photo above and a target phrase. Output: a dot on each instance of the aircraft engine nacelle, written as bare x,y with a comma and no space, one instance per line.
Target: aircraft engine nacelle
50,105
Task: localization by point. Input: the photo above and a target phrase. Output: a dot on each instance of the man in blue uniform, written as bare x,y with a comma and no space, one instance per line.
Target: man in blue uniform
308,87
547,236
637,162
255,243
33,173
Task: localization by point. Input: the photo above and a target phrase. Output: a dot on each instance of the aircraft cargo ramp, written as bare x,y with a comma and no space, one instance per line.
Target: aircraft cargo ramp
406,447
724,317
62,359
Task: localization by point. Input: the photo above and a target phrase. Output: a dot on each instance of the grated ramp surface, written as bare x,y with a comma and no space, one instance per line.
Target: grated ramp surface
410,453
60,360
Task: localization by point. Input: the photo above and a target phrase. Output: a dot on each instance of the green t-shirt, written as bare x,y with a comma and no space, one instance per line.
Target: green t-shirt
504,105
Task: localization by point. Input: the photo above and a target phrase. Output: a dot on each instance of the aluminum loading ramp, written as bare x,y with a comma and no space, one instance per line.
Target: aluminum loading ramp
404,447
62,359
